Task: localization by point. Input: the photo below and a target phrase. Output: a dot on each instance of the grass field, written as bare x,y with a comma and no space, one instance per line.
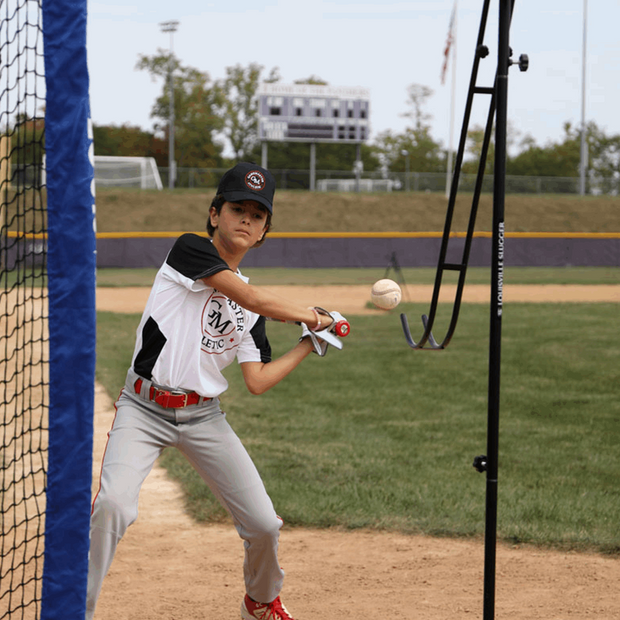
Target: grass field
383,437
318,277
300,211
133,210
379,436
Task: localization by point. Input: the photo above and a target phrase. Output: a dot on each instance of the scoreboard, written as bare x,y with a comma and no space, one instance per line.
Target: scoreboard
312,113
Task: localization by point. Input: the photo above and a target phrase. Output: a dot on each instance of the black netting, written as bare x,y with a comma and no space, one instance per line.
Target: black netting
23,309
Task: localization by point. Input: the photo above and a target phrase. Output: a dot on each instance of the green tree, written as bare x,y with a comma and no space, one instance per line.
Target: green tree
417,98
26,140
313,79
329,156
473,147
273,77
603,152
415,147
240,108
475,141
197,101
418,147
559,159
128,141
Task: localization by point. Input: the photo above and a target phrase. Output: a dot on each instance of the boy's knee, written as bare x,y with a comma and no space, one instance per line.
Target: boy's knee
112,512
265,527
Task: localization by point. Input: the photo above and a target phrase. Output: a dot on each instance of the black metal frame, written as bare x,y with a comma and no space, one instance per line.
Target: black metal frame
497,109
427,340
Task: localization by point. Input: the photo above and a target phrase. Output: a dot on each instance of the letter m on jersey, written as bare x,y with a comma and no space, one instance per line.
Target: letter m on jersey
215,322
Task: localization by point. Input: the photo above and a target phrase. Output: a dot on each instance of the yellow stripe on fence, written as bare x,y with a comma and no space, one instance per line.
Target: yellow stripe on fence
342,235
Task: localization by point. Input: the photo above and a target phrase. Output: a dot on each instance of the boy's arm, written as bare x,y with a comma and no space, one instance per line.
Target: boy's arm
260,377
261,301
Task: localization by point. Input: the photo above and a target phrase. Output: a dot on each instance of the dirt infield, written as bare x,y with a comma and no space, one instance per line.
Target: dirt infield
353,299
168,567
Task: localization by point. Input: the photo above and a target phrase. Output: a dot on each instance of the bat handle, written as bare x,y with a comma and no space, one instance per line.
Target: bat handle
342,328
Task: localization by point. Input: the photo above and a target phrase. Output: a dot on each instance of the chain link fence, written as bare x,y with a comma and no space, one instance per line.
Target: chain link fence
33,176
413,181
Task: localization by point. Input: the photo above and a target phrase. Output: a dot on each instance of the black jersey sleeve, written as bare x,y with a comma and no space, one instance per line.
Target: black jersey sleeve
195,257
259,335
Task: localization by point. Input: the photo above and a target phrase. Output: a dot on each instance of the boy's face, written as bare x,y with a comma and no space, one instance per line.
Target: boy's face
242,224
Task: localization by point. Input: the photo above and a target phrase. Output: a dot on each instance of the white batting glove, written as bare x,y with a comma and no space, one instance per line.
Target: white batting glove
326,335
339,326
320,345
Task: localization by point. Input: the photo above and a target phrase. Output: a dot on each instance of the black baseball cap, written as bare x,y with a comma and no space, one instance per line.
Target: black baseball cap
248,181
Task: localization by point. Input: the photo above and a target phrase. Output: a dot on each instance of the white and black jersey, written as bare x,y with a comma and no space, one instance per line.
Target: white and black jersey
189,331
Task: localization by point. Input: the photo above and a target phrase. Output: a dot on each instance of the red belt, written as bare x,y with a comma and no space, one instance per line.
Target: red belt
170,399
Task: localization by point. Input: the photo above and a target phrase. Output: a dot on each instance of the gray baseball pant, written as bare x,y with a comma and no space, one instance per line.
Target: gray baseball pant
140,432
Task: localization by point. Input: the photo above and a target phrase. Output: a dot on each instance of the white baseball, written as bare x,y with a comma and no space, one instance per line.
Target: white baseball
385,294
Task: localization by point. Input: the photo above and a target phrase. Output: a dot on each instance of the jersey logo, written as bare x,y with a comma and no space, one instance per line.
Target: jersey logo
216,322
255,180
222,324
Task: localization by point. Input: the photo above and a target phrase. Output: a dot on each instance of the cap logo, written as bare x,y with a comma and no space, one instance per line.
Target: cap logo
255,180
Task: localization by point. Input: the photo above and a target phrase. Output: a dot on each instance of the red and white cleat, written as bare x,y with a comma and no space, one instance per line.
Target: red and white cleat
251,610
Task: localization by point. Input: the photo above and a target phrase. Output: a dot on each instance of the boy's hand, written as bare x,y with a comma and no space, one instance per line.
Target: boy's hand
321,339
333,321
320,346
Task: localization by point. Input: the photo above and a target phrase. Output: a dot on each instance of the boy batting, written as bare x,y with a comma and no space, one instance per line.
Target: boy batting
201,315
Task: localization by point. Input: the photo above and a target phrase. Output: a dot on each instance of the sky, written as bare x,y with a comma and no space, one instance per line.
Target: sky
383,46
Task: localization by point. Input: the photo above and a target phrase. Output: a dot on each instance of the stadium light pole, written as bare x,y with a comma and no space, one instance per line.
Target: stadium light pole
584,147
171,27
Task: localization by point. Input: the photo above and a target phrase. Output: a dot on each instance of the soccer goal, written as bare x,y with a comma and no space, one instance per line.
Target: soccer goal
139,172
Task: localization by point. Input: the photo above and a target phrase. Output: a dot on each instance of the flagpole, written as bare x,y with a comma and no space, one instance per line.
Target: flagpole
583,151
452,100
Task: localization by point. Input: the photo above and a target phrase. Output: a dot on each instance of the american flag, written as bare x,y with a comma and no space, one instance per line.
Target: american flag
449,42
